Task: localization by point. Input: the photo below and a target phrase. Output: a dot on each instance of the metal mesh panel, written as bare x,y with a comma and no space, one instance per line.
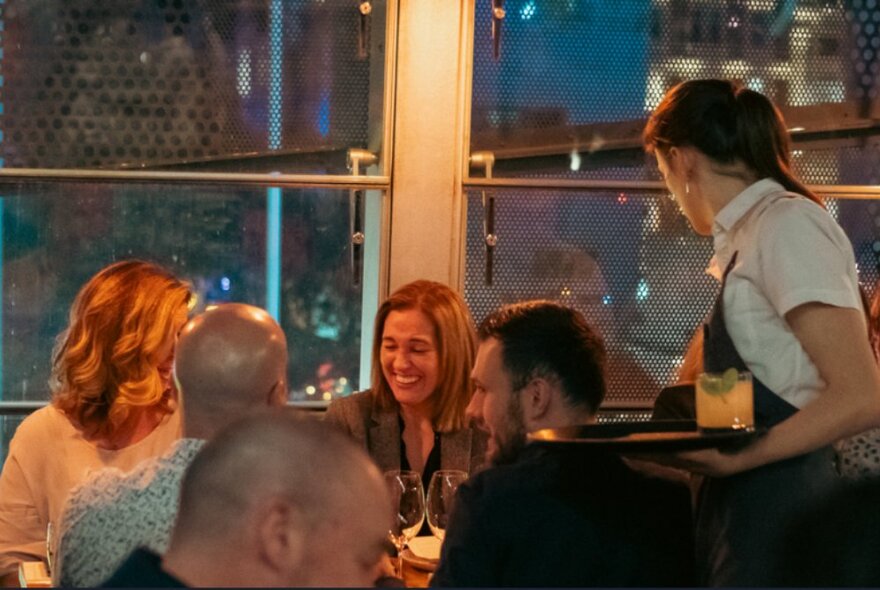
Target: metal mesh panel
135,83
614,416
628,261
568,95
57,236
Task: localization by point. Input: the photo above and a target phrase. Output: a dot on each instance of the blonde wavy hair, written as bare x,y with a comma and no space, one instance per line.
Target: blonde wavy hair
455,336
105,363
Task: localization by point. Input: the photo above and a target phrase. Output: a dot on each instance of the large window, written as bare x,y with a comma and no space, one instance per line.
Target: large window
225,85
570,208
246,144
240,143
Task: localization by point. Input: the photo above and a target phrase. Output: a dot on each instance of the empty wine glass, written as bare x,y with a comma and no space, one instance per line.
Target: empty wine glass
441,494
50,547
408,503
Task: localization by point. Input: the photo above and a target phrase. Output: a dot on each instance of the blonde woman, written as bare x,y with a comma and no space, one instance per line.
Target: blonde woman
413,416
113,401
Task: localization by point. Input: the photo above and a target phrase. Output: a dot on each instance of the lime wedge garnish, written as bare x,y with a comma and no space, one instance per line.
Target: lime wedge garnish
719,384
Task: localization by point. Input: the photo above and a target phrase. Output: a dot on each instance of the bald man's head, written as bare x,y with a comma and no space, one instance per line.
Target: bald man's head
300,503
230,359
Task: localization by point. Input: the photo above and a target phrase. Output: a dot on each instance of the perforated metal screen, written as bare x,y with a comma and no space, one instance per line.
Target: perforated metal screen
628,261
134,83
574,79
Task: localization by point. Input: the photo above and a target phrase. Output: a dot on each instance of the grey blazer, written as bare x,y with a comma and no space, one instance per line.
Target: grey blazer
378,431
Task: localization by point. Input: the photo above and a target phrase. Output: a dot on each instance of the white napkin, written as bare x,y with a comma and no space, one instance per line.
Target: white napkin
425,547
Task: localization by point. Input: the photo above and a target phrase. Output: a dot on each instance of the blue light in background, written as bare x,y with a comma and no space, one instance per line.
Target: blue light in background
324,115
2,200
273,195
606,300
528,10
642,290
225,284
273,252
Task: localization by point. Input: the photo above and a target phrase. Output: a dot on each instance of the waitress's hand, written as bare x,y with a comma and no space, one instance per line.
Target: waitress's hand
711,462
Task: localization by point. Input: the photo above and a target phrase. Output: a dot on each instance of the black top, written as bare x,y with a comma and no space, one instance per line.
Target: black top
568,516
431,465
142,569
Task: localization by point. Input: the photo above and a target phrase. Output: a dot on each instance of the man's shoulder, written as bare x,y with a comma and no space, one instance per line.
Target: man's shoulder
524,475
111,489
541,469
143,568
114,512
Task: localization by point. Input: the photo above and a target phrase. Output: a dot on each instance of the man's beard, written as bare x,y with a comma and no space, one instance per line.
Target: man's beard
513,442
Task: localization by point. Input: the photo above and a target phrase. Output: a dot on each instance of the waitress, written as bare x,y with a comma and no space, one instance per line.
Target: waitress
788,310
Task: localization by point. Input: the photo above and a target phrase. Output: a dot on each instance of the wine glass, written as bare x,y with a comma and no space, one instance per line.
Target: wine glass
50,547
408,503
441,494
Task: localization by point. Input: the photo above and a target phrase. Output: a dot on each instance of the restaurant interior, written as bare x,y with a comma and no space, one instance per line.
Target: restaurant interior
311,156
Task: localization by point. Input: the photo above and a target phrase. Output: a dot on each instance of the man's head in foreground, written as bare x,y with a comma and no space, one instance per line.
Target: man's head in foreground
278,500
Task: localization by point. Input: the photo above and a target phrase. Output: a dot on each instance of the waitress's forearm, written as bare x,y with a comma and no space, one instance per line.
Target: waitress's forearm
835,340
822,422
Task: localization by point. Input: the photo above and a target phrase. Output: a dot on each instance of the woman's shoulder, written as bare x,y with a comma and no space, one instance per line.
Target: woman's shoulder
796,212
467,445
39,436
352,413
356,406
361,399
796,226
46,423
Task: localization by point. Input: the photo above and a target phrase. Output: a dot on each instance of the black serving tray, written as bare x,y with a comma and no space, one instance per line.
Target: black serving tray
660,436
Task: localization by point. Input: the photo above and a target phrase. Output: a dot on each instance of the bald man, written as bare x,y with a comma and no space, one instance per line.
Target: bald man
229,360
275,500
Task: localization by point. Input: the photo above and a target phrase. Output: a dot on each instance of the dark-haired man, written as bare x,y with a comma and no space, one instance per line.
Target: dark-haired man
548,515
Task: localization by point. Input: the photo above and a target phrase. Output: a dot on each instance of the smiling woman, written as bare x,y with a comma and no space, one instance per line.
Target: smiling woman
413,416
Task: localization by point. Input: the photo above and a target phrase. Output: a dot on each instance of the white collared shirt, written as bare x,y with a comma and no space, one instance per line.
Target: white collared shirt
790,252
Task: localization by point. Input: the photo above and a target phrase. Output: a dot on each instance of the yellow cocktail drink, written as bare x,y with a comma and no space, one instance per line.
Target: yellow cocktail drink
725,401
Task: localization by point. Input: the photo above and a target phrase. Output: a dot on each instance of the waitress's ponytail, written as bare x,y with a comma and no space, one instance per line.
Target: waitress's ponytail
728,123
763,141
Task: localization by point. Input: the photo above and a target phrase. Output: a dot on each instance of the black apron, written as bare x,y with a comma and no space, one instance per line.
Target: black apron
739,519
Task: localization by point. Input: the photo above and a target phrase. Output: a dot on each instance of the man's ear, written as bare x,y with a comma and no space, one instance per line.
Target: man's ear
278,394
536,399
280,534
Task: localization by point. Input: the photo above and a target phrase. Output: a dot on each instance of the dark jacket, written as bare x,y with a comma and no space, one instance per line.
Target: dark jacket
568,516
378,431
